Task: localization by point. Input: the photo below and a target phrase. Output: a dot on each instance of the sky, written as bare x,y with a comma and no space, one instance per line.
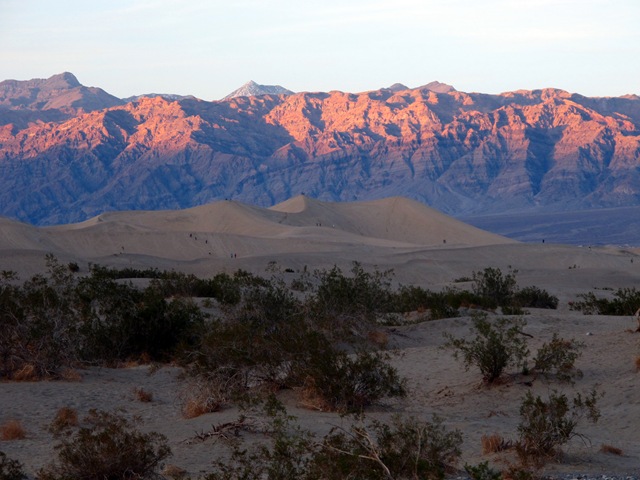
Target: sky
208,48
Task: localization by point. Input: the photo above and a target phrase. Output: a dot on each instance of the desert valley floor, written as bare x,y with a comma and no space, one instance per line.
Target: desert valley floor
422,247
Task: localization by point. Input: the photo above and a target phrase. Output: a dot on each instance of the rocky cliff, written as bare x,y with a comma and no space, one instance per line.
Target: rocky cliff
462,153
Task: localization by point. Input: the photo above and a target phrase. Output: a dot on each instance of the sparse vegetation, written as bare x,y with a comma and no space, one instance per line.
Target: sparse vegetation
482,471
142,395
501,342
65,418
12,430
611,450
496,345
322,339
494,287
625,301
110,447
557,358
406,448
11,469
495,443
548,424
205,394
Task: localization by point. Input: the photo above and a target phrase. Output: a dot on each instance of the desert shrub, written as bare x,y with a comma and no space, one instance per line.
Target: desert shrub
302,283
534,297
223,287
482,471
206,393
12,430
109,448
625,301
513,310
122,322
493,287
173,471
142,395
258,353
494,443
405,449
546,425
65,418
519,472
38,321
286,457
342,305
257,343
495,345
11,469
558,358
333,380
444,304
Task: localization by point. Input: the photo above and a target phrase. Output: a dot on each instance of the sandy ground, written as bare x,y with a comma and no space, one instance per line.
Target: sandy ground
422,246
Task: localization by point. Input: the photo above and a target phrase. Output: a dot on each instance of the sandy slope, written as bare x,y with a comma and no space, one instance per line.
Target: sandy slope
392,233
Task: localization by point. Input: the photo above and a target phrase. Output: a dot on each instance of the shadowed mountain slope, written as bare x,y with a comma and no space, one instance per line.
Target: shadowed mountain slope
462,153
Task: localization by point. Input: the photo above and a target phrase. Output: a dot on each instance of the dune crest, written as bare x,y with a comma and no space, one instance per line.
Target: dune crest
227,229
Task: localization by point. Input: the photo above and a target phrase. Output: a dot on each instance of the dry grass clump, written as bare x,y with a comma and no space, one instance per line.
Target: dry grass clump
311,398
12,430
378,338
173,471
28,373
143,395
70,375
66,417
494,443
610,449
203,395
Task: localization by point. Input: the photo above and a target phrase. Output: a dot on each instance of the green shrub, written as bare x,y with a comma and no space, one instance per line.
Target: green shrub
343,305
405,449
286,457
336,381
534,297
558,358
38,323
495,346
111,448
482,471
443,304
494,287
258,343
625,302
11,469
121,322
257,353
547,425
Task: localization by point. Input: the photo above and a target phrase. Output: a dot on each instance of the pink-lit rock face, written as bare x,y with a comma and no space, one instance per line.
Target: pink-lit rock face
64,156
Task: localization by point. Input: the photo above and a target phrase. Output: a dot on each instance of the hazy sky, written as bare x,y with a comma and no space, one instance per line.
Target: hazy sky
207,48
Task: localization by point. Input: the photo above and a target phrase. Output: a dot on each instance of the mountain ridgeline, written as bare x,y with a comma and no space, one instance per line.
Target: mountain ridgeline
69,152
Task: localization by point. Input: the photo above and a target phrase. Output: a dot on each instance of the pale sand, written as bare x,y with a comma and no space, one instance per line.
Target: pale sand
393,233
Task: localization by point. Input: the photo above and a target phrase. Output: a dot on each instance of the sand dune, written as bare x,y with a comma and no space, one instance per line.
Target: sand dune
204,236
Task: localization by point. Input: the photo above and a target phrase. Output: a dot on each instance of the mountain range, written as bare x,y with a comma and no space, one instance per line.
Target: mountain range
69,152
